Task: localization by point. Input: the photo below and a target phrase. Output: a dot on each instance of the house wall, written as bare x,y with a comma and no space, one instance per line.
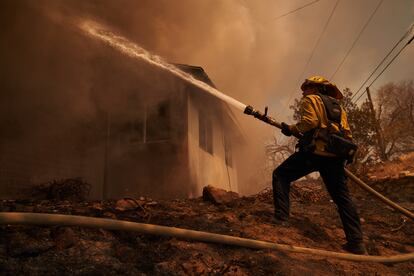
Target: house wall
55,144
29,160
154,168
205,168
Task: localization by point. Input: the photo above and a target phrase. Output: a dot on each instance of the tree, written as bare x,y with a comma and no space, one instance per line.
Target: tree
277,151
361,122
395,112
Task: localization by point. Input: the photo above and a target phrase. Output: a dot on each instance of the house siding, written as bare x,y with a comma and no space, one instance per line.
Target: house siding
206,168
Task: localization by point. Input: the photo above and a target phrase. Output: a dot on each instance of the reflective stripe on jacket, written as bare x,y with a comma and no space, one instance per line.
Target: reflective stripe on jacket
313,115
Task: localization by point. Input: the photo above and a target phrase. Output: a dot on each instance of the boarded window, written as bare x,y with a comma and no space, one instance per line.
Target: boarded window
205,132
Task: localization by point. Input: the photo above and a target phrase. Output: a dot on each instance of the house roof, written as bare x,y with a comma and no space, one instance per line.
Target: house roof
196,71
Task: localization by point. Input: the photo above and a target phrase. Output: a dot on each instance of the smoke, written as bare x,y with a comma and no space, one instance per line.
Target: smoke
248,55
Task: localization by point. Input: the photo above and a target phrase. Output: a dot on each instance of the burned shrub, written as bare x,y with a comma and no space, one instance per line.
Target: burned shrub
73,189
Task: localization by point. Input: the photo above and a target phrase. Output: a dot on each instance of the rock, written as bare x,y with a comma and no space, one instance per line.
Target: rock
218,196
404,173
126,205
109,215
194,267
97,206
165,268
65,237
125,254
233,270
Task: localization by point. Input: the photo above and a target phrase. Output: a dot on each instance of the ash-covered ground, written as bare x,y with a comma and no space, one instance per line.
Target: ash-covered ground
36,250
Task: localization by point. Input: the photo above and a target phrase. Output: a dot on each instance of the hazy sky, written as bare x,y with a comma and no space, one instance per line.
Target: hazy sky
386,27
259,60
246,52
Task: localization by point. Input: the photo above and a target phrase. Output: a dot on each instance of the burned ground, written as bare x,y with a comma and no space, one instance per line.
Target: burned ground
81,251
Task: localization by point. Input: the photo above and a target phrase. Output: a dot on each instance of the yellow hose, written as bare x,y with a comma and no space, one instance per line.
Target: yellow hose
111,224
367,188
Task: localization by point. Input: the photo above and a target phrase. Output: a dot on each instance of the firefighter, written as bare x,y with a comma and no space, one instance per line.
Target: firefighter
321,116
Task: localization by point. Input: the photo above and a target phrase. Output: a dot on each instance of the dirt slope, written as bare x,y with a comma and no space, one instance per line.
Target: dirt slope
28,250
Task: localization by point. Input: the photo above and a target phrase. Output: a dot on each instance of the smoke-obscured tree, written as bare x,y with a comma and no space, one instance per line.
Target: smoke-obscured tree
277,151
361,122
395,112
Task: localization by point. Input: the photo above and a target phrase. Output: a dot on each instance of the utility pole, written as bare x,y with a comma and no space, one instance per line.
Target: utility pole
378,130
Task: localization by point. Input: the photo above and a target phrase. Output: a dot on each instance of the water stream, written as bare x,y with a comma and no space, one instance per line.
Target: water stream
133,50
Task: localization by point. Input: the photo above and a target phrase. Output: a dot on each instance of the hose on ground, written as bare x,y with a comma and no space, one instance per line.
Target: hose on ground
387,201
15,218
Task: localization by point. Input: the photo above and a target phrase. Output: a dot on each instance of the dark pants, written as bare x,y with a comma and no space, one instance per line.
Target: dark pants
333,174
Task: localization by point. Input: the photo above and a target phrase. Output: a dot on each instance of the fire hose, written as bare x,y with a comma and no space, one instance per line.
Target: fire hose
271,121
12,218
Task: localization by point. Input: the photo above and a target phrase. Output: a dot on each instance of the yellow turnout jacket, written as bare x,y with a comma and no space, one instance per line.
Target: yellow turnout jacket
313,116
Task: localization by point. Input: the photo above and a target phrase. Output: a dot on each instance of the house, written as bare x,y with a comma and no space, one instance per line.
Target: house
173,146
71,106
139,132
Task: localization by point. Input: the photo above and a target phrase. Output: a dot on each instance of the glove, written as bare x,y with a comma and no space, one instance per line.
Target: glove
286,129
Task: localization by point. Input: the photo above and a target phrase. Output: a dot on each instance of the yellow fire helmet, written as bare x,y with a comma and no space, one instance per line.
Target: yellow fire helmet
326,86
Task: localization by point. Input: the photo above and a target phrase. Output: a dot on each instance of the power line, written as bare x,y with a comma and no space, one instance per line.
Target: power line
383,60
312,53
356,39
399,52
388,64
295,10
319,39
314,49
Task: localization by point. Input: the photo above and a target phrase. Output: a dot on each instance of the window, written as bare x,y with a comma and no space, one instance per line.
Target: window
151,124
158,122
132,131
205,133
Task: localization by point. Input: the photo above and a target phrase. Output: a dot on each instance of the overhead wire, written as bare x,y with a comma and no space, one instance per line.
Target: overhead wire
319,39
356,39
313,51
384,59
295,10
386,66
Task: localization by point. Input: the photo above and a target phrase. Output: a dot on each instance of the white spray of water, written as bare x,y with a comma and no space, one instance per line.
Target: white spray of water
134,51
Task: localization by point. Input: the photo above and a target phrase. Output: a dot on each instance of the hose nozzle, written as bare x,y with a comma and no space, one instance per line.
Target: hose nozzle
249,110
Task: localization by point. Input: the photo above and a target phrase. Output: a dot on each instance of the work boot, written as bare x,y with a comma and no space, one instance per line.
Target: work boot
355,248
